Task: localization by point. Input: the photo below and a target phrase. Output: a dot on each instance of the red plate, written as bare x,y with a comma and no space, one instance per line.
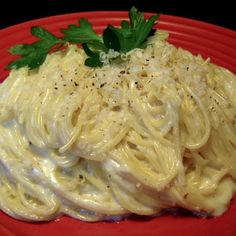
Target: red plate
209,40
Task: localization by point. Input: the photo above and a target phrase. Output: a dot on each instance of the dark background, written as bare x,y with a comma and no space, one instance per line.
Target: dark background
219,12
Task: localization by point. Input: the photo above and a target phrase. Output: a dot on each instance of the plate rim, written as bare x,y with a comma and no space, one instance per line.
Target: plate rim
107,12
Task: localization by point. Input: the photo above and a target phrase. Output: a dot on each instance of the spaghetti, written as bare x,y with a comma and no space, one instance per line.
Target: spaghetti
154,132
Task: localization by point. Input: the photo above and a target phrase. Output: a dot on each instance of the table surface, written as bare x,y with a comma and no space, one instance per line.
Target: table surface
213,11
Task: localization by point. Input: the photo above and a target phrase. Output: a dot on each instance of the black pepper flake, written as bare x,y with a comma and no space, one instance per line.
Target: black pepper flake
136,82
55,88
93,84
64,85
122,72
81,177
76,84
102,85
30,143
187,68
108,186
186,195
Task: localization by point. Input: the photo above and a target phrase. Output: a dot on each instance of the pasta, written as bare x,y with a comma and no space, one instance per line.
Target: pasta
154,132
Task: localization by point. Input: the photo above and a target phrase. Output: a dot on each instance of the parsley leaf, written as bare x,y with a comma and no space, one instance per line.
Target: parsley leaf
110,39
33,55
134,34
43,34
32,60
94,57
80,34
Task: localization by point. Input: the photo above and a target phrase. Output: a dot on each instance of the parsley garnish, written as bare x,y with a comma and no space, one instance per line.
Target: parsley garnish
130,35
83,33
33,55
